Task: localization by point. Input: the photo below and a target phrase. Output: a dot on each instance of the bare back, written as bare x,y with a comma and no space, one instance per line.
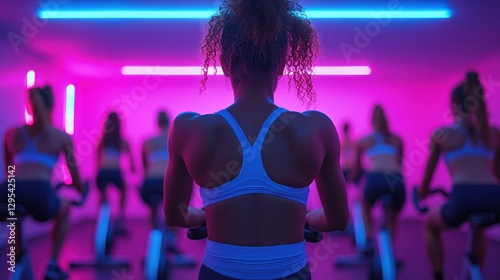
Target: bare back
292,155
383,162
470,168
156,153
49,141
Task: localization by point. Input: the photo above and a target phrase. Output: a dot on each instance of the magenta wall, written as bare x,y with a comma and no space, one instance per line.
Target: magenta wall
415,64
414,111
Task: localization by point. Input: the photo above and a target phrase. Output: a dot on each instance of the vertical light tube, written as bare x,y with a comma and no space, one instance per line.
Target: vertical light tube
30,82
30,79
69,123
69,116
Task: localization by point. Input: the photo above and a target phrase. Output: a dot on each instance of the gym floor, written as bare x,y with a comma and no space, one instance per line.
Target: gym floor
322,256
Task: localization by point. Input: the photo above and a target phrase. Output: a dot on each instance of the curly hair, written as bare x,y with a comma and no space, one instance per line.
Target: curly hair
262,36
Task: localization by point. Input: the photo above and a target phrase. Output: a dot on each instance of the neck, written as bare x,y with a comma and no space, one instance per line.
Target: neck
254,91
464,121
163,131
40,123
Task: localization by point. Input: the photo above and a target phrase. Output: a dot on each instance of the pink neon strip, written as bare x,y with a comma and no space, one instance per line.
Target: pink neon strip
69,116
196,70
30,81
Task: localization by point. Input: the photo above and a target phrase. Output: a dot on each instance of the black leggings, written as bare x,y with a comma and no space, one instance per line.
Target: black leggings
208,274
37,196
379,184
469,198
110,176
152,191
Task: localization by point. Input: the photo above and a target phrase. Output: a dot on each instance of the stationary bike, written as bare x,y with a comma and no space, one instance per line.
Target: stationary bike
105,233
156,264
382,260
14,213
477,221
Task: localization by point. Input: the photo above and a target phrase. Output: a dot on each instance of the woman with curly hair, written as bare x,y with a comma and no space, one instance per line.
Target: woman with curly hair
254,161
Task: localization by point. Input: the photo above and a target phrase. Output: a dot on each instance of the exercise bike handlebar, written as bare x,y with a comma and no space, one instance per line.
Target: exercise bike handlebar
201,233
416,198
85,193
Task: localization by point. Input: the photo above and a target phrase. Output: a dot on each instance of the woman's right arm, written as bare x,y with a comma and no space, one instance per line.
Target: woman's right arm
434,153
72,163
99,155
330,184
144,156
358,166
496,159
178,183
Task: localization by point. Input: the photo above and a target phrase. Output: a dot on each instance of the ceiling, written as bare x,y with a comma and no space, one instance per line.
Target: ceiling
97,49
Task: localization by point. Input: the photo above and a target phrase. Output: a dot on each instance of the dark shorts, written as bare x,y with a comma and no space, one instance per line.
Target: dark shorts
208,274
110,176
152,191
37,196
378,184
466,199
357,179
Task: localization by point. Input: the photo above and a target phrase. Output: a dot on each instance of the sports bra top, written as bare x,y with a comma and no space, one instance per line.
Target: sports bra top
158,155
380,147
468,149
252,178
31,154
111,152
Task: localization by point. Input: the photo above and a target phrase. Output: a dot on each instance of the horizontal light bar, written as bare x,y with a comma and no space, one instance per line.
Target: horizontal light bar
197,70
380,14
205,14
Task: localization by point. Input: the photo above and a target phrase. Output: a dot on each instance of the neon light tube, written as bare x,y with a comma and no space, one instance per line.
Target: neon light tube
30,81
196,70
205,14
27,117
69,116
66,176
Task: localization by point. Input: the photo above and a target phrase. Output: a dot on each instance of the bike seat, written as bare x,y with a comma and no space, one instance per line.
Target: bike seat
482,220
19,212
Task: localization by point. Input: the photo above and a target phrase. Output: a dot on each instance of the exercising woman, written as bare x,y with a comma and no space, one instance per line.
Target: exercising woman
155,161
385,152
109,152
34,151
254,160
348,154
469,147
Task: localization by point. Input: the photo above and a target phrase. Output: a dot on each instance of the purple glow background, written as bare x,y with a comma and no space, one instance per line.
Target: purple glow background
415,64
